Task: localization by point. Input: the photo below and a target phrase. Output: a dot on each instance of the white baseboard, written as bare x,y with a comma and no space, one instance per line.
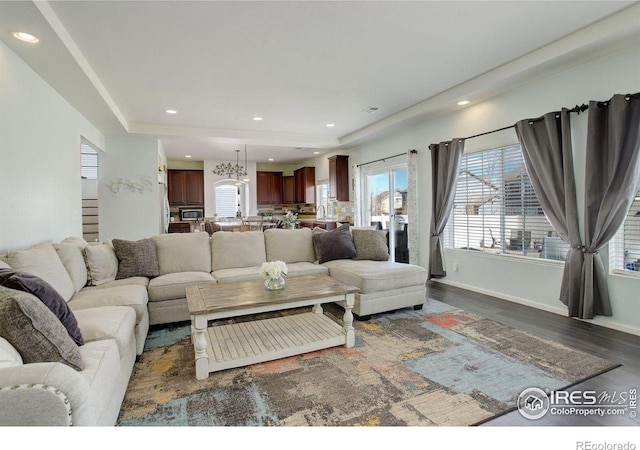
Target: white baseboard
600,321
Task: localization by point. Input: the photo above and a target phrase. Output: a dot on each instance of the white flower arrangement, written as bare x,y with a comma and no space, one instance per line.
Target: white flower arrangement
273,269
290,219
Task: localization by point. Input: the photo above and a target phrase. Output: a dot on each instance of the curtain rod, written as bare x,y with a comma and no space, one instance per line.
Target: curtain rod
388,157
576,109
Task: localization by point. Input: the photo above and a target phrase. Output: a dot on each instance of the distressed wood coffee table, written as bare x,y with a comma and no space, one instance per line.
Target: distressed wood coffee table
220,347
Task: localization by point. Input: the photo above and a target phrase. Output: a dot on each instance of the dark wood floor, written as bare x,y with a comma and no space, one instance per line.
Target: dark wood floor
609,344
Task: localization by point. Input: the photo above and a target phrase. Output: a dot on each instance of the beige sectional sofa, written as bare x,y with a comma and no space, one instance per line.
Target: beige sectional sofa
114,315
227,257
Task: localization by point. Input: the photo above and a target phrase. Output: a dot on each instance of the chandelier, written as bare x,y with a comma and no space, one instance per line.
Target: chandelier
233,170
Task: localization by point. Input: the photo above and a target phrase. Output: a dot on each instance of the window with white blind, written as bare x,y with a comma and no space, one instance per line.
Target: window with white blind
88,161
226,200
495,209
624,248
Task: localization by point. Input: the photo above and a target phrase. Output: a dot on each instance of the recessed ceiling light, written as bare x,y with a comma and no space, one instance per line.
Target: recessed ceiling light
25,37
257,119
171,111
270,159
187,156
463,102
331,125
316,153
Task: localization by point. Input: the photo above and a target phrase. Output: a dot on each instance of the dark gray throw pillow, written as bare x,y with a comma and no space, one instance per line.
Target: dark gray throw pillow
371,245
25,282
334,244
34,331
136,258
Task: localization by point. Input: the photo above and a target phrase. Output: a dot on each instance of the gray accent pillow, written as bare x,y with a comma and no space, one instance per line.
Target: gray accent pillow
136,258
371,244
34,331
25,282
334,244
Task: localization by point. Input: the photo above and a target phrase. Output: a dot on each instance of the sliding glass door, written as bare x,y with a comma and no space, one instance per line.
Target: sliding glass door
385,198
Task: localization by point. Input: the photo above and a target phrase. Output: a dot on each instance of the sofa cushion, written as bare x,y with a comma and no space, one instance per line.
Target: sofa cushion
305,268
253,273
102,371
371,244
374,276
42,261
231,250
183,252
34,331
102,264
133,281
134,296
9,356
108,322
72,257
31,284
174,285
237,274
334,244
289,246
136,258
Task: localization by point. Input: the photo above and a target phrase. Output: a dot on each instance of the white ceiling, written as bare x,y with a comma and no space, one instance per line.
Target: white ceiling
299,65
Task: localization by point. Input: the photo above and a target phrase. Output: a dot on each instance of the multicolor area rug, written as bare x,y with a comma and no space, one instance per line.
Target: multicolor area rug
437,366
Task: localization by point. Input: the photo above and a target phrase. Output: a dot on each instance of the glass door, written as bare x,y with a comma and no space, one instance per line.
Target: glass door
386,207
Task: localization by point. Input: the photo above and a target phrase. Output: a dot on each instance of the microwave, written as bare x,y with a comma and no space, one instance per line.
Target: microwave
196,214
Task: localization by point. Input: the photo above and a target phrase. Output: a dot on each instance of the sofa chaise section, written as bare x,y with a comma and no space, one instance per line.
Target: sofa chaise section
384,285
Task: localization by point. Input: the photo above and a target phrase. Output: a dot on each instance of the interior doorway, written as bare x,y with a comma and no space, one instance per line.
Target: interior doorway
89,160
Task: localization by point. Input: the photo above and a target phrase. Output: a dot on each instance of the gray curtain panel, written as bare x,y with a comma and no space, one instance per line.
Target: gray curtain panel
445,164
612,176
547,153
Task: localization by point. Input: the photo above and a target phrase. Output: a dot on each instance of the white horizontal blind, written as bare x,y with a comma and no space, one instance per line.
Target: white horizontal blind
88,161
226,201
496,210
624,248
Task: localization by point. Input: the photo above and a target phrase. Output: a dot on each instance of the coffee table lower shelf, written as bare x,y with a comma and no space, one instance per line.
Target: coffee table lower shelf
246,343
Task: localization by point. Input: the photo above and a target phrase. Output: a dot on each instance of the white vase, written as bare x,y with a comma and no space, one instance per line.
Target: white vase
274,284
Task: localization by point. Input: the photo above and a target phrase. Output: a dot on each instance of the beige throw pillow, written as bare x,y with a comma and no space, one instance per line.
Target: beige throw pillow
42,261
102,264
72,257
371,245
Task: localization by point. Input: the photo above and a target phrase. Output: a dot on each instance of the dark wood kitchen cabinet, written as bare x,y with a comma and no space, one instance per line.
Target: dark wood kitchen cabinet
269,188
305,185
186,187
288,189
339,178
